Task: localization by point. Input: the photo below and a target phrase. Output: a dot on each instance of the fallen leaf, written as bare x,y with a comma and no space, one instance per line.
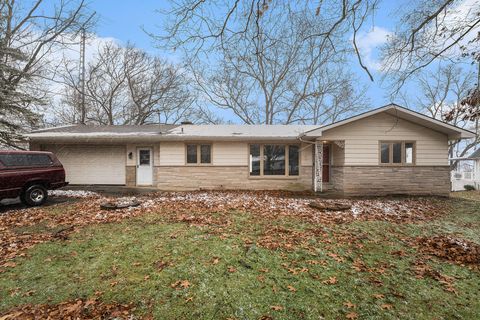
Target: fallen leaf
352,315
113,284
378,296
215,260
160,265
10,264
231,269
331,280
146,278
276,308
386,306
292,289
29,293
181,284
349,305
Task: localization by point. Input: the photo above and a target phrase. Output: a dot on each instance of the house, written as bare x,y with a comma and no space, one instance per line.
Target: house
467,172
389,150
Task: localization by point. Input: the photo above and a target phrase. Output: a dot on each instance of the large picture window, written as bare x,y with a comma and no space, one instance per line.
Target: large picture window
274,160
199,153
397,152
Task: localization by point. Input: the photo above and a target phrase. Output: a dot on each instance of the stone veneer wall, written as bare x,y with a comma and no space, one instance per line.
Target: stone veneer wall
225,177
131,176
386,180
336,178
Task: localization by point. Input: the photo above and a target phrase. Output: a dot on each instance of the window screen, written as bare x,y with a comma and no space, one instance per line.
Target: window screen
255,160
192,153
293,160
205,153
274,160
385,152
397,152
199,153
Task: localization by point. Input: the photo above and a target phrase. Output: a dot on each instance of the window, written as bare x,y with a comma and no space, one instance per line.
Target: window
409,152
397,152
293,163
205,153
199,154
144,157
274,160
255,160
25,160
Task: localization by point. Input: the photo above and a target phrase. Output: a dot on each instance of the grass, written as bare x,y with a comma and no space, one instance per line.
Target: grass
139,259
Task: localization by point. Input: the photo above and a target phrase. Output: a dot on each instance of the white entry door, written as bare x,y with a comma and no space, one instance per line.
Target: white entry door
144,167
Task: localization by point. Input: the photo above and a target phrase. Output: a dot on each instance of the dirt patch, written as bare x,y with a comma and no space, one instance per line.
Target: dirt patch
452,249
75,309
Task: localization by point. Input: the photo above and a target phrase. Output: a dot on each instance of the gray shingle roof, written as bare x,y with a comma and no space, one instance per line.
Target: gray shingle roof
173,132
147,128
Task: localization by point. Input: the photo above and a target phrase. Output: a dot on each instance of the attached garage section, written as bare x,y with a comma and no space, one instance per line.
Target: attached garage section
93,164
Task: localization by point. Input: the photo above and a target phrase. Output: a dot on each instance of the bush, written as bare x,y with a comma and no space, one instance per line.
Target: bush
469,187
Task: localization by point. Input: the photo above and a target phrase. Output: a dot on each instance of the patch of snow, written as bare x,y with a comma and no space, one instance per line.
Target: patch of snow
73,193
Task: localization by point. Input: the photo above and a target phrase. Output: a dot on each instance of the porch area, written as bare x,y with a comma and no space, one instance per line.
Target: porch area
329,159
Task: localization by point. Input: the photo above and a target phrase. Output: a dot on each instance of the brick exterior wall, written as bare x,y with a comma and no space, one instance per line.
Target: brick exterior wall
383,180
225,177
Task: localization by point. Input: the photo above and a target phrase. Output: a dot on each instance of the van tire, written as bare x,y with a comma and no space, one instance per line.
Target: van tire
34,195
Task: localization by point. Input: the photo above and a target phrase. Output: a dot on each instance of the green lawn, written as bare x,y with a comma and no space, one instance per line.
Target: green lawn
243,270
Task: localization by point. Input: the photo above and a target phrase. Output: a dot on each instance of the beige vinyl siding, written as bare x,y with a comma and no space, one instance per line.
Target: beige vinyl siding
230,154
172,154
362,137
338,156
306,156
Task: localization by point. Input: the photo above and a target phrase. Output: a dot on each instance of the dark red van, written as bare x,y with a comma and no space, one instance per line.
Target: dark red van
29,174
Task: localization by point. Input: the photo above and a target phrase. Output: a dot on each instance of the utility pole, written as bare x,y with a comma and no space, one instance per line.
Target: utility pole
83,112
81,78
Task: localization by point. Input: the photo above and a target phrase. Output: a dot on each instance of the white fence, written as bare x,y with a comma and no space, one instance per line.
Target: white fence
460,179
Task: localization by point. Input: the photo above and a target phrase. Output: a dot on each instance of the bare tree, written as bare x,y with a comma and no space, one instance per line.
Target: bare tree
125,85
431,31
158,90
29,32
441,94
277,71
200,26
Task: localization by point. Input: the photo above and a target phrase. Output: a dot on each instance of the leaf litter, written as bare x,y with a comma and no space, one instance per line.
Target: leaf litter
213,209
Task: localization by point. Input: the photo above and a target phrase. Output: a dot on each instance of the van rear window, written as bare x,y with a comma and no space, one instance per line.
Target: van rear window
25,160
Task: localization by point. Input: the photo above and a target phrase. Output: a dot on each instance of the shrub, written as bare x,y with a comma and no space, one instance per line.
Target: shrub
469,187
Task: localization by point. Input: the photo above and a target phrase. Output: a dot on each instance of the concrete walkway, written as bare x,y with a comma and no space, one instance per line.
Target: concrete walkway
110,190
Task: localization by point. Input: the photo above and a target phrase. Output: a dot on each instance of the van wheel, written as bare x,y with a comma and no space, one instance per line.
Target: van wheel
35,195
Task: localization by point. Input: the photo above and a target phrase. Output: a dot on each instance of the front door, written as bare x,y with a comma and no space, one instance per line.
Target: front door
144,167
